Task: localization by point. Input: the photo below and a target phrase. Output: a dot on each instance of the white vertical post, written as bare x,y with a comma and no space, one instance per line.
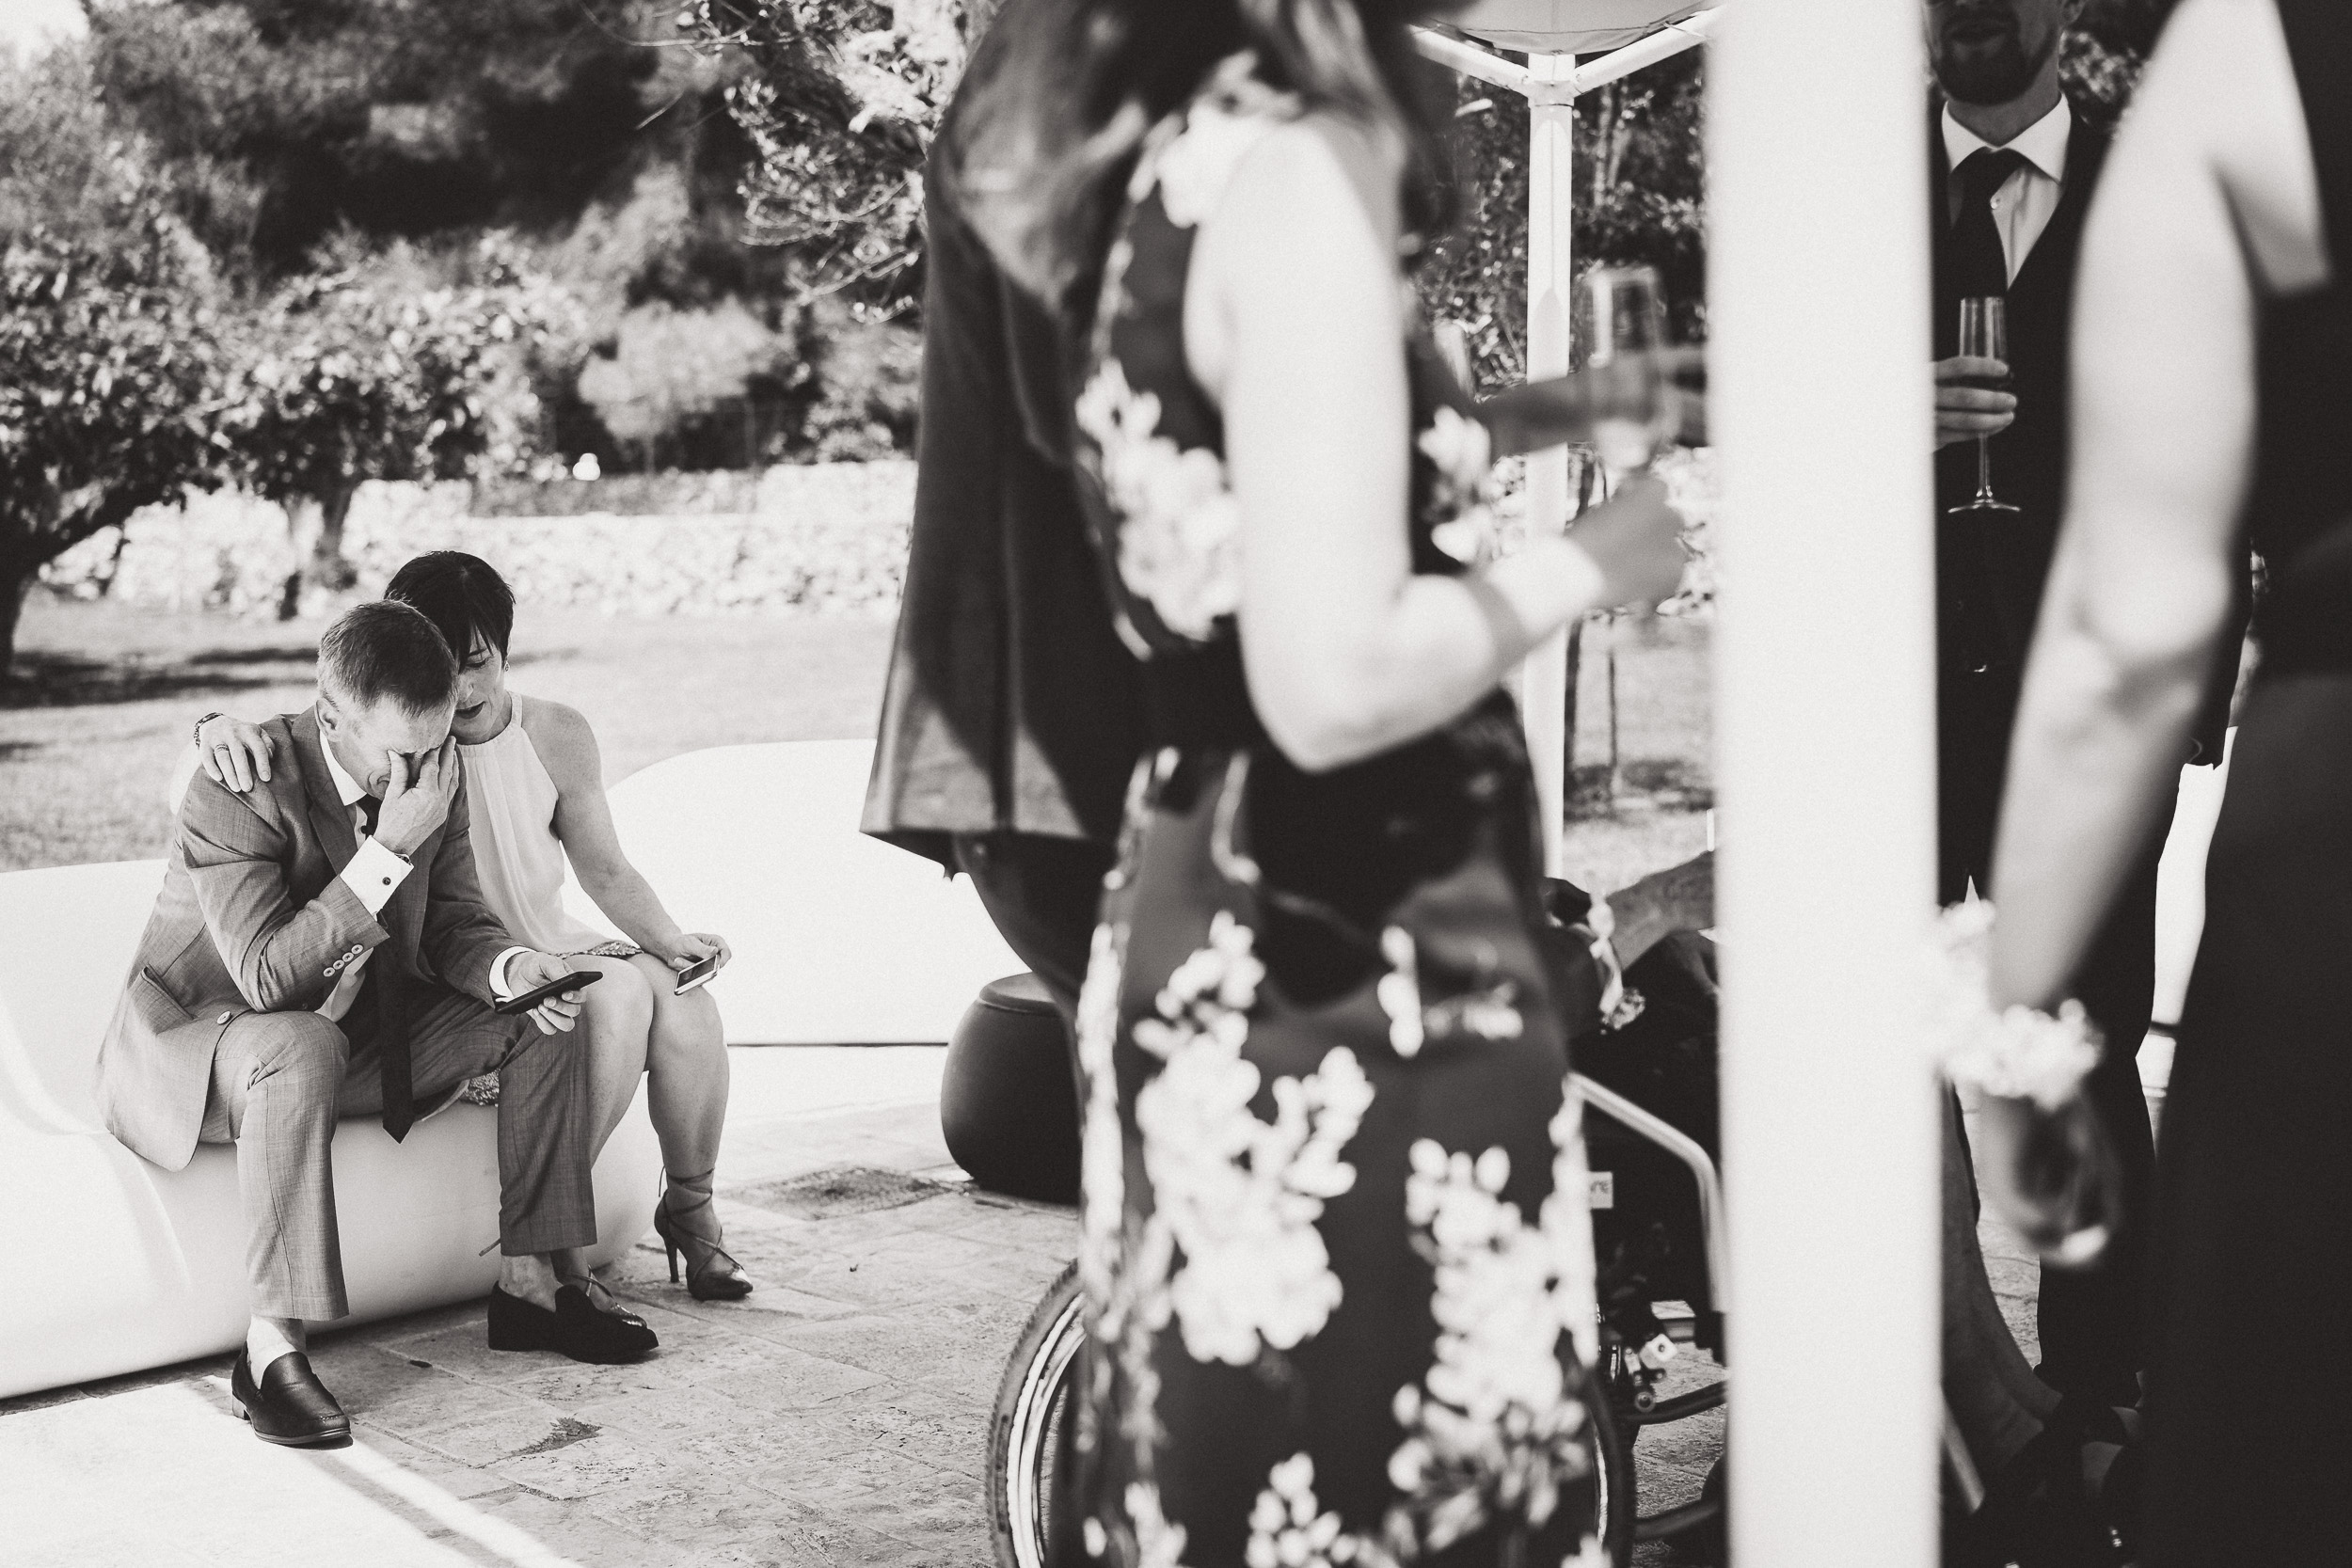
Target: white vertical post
1551,216
1824,700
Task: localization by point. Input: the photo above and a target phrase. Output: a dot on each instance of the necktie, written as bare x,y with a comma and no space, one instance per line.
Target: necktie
381,1003
1979,264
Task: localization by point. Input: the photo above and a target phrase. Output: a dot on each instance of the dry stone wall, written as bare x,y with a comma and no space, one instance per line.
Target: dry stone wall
828,538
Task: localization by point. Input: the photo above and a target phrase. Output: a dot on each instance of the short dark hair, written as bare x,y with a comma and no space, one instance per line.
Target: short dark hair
462,595
383,650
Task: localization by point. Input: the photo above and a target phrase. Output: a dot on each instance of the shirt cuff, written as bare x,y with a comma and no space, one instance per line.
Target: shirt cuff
375,874
498,972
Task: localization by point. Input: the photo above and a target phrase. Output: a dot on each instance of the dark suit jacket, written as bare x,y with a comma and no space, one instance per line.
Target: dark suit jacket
254,917
1010,702
1990,574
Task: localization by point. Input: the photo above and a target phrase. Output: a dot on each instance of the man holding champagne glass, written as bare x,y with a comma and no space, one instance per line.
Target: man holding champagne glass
2013,171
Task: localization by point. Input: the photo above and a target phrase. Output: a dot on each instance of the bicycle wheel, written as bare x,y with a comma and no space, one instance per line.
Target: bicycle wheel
1618,1502
1032,1401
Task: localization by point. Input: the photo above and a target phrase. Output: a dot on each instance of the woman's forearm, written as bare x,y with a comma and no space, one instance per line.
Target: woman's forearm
630,902
2099,739
1444,644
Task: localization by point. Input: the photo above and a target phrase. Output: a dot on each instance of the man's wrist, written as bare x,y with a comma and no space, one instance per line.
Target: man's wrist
197,734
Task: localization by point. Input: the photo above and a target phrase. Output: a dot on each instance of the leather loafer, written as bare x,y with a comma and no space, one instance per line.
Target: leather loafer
575,1327
289,1405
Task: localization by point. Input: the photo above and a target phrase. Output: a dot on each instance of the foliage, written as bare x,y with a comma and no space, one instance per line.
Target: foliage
1639,199
869,374
350,376
670,369
411,120
841,98
108,330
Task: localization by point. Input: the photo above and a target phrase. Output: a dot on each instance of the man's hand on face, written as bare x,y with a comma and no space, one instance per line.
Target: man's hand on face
528,972
1966,408
413,808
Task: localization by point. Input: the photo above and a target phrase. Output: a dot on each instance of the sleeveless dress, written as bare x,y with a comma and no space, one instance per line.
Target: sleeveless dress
516,852
1335,1245
2250,1390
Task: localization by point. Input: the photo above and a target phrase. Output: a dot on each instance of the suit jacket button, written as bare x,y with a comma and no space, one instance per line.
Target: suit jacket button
329,971
229,1014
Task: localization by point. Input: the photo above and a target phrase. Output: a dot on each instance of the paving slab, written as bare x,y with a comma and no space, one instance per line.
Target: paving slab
836,1419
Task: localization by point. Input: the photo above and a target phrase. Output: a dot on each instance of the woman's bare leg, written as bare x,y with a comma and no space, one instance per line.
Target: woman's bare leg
685,1073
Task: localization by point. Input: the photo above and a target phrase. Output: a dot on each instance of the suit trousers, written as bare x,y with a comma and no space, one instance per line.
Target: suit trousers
281,1081
2091,1321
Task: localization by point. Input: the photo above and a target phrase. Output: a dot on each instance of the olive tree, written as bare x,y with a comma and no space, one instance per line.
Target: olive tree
108,336
350,376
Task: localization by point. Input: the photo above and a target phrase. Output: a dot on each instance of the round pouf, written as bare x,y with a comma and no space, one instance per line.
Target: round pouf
1008,1104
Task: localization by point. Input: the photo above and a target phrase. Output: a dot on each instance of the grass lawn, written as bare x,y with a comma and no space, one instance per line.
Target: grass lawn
107,695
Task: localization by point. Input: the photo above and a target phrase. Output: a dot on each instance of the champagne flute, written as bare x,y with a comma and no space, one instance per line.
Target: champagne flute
1984,335
1621,324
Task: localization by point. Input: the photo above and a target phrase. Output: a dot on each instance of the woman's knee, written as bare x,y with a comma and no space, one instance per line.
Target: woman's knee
683,1027
621,1003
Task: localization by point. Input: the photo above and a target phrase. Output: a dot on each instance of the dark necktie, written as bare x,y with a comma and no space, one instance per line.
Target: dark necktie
1979,264
380,1002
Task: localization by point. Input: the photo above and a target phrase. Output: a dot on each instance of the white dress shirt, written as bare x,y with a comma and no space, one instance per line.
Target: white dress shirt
2027,200
373,875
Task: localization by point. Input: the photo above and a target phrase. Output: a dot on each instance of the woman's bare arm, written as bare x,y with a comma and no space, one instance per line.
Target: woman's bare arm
2163,441
584,821
1294,323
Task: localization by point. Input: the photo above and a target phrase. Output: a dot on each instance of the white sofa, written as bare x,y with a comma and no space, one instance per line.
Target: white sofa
114,1265
839,938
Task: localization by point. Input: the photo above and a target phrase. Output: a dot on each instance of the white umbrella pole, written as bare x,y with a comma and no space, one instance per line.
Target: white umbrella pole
1550,209
1824,701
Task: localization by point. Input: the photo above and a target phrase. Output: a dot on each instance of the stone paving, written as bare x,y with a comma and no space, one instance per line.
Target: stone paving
837,1416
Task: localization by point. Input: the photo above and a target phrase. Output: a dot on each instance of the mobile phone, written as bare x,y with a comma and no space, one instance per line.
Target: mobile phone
696,974
576,980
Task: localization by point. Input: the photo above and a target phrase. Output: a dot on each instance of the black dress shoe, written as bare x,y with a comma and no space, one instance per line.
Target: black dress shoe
575,1327
289,1405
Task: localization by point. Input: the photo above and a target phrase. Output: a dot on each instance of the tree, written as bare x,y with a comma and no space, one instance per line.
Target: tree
673,369
353,377
1640,198
288,120
841,98
106,330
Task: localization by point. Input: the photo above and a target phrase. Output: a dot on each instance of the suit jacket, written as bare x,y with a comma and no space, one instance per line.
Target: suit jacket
1989,574
254,916
1010,702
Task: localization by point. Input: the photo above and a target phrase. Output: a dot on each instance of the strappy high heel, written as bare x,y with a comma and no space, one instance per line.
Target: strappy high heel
715,1275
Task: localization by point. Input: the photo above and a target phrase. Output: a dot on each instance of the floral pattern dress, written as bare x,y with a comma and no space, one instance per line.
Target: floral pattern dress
1337,1258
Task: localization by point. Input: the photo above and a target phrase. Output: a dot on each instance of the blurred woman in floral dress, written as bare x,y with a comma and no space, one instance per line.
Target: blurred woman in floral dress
1336,1253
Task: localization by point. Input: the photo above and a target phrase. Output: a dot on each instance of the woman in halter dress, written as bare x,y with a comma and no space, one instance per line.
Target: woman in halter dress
2213,395
1337,1260
535,785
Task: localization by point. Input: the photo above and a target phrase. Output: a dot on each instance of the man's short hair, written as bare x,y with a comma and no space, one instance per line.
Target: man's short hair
383,651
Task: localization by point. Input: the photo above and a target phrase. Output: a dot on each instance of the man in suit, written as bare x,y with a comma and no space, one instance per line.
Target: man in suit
321,949
2012,171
